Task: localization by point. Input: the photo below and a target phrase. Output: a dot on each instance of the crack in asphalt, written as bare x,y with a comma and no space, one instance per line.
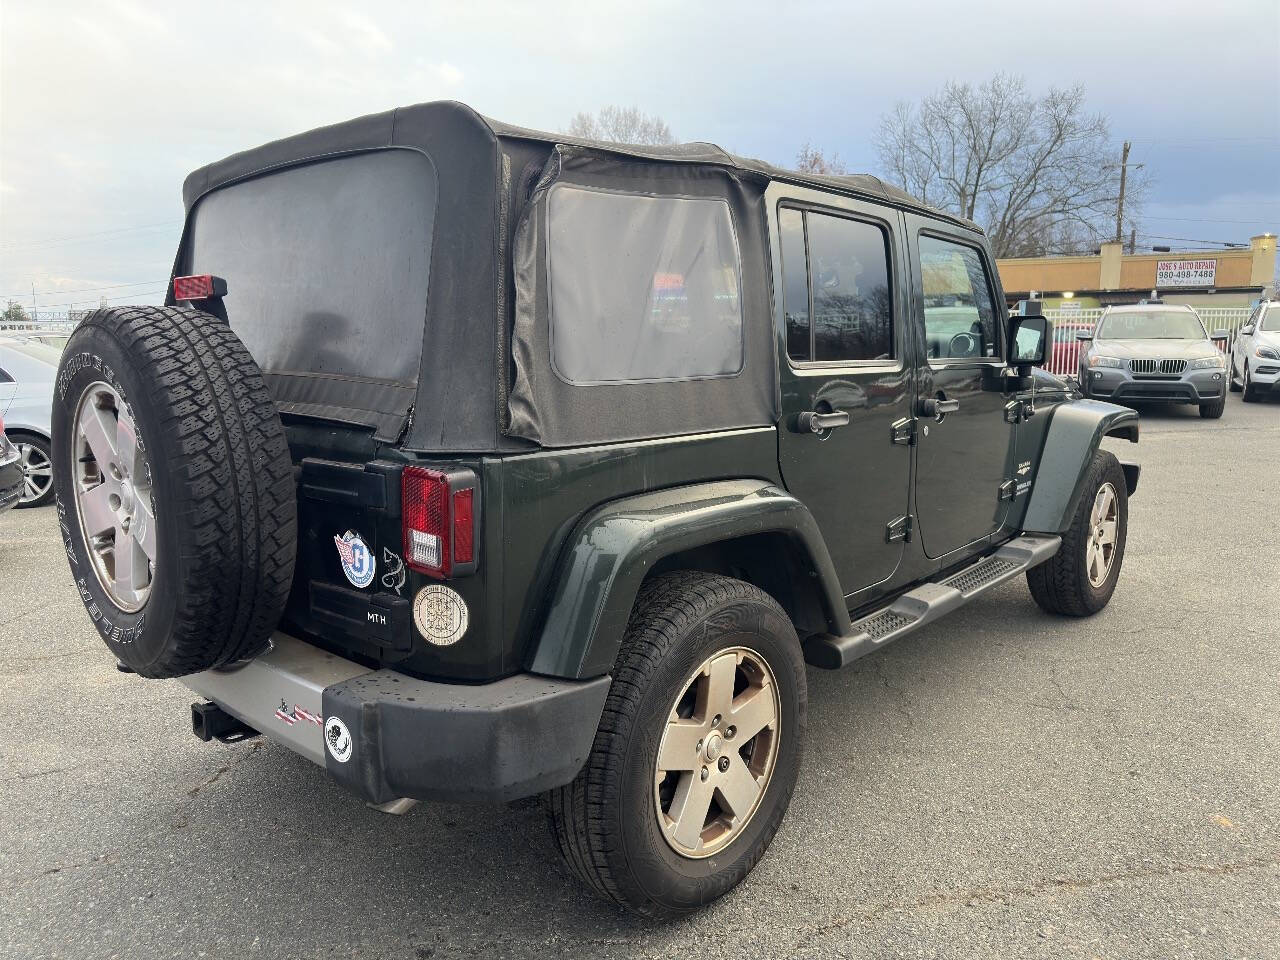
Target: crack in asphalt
983,895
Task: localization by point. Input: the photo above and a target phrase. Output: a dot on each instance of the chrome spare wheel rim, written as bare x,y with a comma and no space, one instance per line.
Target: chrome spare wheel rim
717,753
113,496
1103,523
37,472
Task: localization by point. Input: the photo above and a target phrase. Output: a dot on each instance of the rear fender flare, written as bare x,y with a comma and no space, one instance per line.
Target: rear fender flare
616,545
1075,432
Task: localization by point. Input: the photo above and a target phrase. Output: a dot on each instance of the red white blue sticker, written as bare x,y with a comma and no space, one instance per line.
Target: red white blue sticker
357,559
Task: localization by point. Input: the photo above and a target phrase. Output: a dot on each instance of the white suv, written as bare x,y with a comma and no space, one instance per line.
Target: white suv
1255,359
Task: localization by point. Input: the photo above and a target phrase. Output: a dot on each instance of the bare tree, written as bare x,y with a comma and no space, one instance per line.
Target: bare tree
1035,172
810,159
621,125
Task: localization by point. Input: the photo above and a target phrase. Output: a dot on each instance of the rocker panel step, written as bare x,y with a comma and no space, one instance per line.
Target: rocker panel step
929,601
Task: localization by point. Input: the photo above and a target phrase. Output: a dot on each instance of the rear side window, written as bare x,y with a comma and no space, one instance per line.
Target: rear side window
642,288
959,313
836,291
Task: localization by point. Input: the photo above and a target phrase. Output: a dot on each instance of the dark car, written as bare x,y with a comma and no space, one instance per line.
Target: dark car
474,463
1155,352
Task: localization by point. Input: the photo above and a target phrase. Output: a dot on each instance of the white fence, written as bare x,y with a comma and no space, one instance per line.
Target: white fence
1064,353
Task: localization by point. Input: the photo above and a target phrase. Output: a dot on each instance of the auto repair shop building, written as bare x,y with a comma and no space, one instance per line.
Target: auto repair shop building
1235,277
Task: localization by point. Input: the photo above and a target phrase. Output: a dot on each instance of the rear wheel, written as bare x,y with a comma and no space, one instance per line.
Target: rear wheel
37,469
1079,579
1232,383
697,752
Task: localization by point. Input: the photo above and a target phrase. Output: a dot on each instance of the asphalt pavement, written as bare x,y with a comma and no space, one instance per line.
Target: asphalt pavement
1001,784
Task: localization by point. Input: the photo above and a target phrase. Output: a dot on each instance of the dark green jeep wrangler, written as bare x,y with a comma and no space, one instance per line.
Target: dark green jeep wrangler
475,463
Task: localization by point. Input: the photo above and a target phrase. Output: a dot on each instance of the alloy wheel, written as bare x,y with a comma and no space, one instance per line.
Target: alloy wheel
717,752
37,472
1100,550
113,496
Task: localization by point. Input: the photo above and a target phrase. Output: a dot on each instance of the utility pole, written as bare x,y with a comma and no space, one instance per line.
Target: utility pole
1124,170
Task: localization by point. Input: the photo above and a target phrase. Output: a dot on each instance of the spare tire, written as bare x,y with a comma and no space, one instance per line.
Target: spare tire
175,488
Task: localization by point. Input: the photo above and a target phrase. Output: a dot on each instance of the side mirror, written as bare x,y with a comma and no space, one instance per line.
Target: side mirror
1221,335
1084,334
1246,330
1028,339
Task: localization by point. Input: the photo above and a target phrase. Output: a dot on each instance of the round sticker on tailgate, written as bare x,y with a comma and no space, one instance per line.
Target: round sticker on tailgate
441,615
338,739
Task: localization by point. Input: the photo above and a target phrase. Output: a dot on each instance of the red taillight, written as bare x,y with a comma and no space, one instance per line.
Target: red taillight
200,287
439,516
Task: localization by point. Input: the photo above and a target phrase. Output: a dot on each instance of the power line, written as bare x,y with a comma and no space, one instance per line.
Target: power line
125,296
87,236
57,293
1223,243
1198,219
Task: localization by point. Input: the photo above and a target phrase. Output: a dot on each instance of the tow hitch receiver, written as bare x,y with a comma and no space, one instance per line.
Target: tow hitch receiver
210,722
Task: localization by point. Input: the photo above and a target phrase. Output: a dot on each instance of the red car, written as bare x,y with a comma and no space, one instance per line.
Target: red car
1064,360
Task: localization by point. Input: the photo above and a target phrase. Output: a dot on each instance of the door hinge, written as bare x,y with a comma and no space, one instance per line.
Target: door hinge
903,432
1018,411
1007,490
898,530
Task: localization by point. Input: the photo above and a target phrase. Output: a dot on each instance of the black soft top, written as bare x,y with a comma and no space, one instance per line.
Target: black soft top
397,126
482,383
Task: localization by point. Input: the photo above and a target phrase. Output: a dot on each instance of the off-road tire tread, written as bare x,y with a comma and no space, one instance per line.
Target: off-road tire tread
221,435
665,606
1055,584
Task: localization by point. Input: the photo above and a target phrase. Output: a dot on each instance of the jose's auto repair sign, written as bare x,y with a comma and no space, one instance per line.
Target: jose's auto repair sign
1186,273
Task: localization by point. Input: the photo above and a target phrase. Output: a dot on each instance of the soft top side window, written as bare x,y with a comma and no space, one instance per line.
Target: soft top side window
959,312
643,288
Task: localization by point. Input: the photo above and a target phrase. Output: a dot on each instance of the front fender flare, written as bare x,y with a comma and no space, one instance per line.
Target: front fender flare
1075,431
616,544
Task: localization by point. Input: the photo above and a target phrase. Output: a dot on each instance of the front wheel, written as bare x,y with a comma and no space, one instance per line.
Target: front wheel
1250,391
1079,579
37,470
1213,409
697,752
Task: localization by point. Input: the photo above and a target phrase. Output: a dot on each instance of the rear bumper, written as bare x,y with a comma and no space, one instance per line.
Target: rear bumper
427,740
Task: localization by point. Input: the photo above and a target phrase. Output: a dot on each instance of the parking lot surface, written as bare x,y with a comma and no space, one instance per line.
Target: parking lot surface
1002,783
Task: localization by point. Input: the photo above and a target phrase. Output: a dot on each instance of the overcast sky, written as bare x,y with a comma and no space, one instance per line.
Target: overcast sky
106,105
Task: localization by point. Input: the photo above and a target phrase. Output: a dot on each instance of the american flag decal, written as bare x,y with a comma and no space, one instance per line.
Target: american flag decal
345,551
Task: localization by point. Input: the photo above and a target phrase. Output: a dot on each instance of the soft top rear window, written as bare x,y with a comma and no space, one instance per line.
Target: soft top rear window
326,265
643,288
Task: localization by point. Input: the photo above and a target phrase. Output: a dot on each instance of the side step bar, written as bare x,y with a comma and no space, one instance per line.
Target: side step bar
928,602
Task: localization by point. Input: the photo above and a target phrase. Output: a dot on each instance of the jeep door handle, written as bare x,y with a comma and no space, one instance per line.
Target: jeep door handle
929,407
813,422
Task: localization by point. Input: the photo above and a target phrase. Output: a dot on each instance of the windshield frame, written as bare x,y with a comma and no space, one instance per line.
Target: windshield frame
1102,332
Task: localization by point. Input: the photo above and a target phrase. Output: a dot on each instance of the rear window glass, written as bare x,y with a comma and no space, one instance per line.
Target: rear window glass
642,288
326,264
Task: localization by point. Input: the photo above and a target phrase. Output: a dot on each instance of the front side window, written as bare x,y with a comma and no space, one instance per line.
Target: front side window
642,288
4,376
837,301
959,314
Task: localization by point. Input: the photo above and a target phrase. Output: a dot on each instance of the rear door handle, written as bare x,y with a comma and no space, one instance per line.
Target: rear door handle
929,407
813,422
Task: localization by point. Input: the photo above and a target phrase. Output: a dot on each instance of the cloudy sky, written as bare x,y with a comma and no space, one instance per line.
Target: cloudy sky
105,105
